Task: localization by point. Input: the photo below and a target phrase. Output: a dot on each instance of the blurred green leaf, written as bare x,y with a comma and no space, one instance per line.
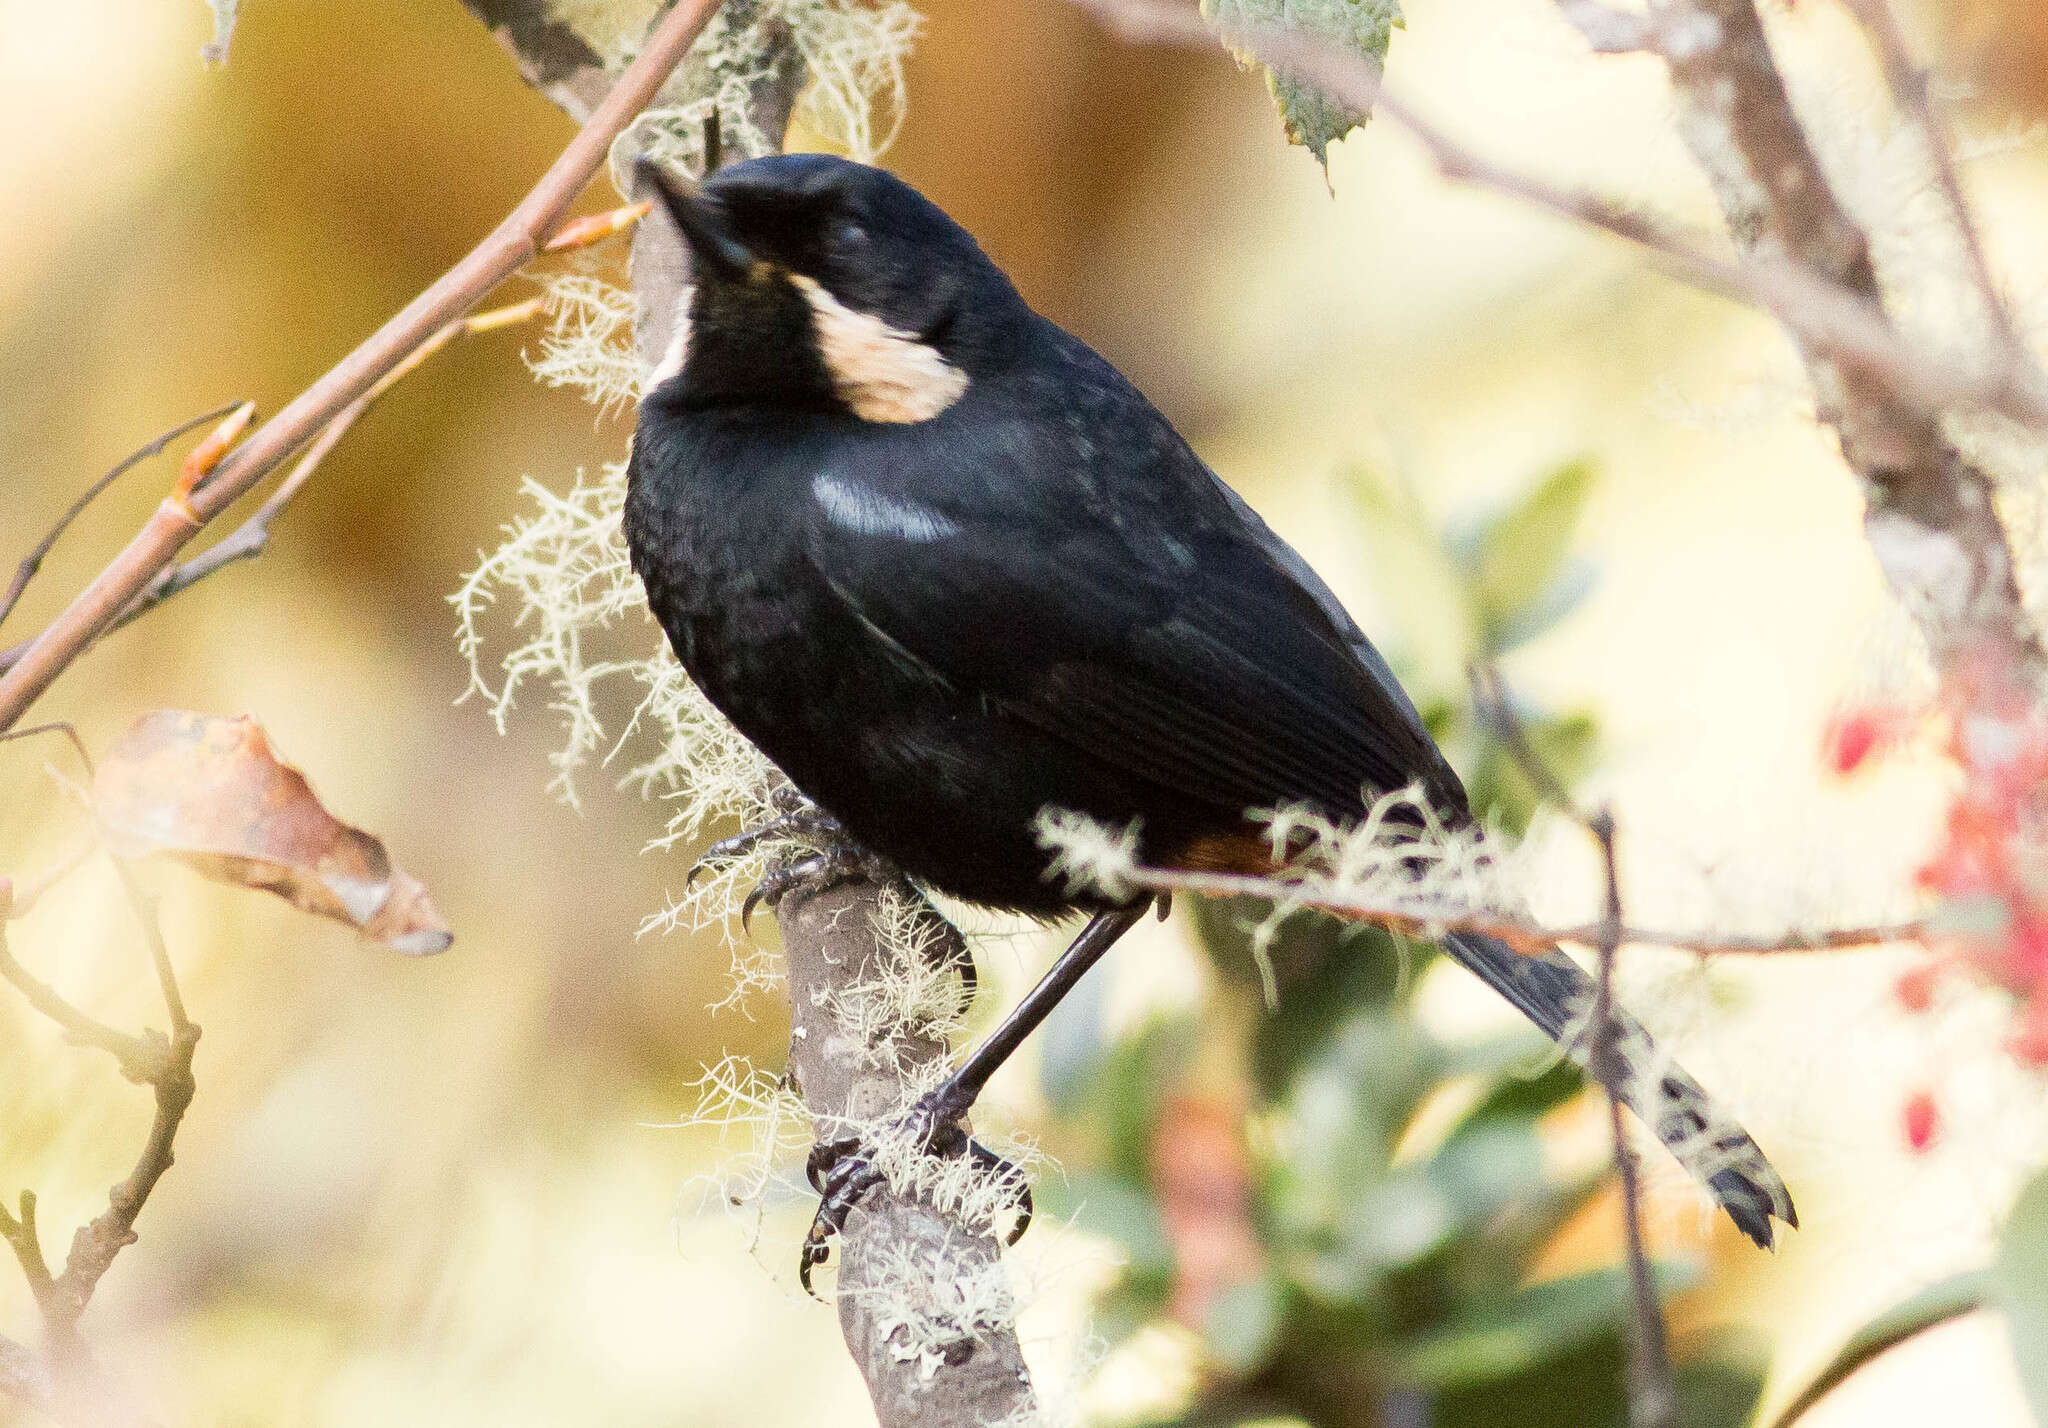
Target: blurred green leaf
1243,1323
1521,552
2019,1285
1487,1166
1929,1309
1117,1210
1540,1322
1314,119
1427,598
1552,604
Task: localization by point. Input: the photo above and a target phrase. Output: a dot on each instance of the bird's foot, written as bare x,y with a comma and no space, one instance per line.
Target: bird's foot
796,818
845,1171
836,864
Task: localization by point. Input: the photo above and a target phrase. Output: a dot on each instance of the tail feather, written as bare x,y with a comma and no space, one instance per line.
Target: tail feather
1555,993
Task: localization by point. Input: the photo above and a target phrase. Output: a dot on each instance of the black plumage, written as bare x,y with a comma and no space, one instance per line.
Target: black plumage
948,568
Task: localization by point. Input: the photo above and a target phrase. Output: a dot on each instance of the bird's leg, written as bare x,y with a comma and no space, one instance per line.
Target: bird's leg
844,1171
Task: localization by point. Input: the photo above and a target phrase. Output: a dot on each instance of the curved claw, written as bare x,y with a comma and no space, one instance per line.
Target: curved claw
843,1176
1008,1170
779,881
794,815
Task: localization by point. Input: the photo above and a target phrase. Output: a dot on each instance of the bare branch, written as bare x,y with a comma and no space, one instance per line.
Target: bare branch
33,561
1851,327
1932,518
502,253
1610,31
141,1059
1913,91
252,537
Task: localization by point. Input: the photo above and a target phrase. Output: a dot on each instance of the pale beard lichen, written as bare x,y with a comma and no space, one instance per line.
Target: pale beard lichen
853,53
589,342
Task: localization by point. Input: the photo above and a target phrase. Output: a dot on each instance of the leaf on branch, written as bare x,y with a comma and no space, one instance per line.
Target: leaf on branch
209,792
2019,1286
1314,119
1932,1307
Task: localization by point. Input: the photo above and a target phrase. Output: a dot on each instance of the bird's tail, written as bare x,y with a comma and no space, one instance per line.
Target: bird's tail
1554,992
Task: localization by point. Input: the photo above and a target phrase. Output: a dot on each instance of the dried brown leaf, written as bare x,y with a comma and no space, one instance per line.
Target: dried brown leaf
209,792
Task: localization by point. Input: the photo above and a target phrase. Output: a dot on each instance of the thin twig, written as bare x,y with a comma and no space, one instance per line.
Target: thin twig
252,537
1851,329
141,1060
33,561
510,246
1652,1390
1911,88
1429,921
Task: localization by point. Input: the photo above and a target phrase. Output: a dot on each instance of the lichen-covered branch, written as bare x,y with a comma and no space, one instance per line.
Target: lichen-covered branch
923,1301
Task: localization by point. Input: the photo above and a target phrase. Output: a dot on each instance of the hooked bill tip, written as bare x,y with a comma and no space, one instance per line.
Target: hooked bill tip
700,218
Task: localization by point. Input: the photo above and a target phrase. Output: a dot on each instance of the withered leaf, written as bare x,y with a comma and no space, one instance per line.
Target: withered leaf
209,792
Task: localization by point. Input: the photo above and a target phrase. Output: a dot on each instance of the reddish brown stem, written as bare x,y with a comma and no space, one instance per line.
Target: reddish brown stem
508,247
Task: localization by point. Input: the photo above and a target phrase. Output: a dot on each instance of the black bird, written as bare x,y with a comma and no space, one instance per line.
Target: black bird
948,568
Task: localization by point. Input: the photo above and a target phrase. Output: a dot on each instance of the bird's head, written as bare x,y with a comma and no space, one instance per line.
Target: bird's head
820,282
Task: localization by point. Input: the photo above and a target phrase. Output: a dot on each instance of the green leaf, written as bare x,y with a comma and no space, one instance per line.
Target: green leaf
1424,594
2019,1284
1530,1327
1521,552
1243,1323
1117,1210
1930,1308
1314,119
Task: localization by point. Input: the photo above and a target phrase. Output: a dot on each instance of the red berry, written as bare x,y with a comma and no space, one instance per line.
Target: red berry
1922,1120
1915,987
1851,737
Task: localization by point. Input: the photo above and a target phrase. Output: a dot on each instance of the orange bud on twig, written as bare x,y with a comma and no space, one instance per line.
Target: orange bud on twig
208,453
505,316
594,228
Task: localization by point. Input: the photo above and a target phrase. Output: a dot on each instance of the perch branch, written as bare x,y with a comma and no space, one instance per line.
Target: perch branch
503,252
831,944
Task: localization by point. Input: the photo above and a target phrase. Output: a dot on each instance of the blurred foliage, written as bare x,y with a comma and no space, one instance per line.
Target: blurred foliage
1357,1245
2016,1284
1508,576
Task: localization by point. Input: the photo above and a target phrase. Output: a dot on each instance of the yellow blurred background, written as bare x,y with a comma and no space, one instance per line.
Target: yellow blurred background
442,1191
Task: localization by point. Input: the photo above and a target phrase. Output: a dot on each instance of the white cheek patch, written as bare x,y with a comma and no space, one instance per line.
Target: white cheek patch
854,507
881,373
678,353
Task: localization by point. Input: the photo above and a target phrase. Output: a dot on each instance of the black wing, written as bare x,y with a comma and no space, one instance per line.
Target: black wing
1092,576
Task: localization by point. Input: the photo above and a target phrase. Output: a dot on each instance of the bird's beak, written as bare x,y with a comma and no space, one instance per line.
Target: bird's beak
701,218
